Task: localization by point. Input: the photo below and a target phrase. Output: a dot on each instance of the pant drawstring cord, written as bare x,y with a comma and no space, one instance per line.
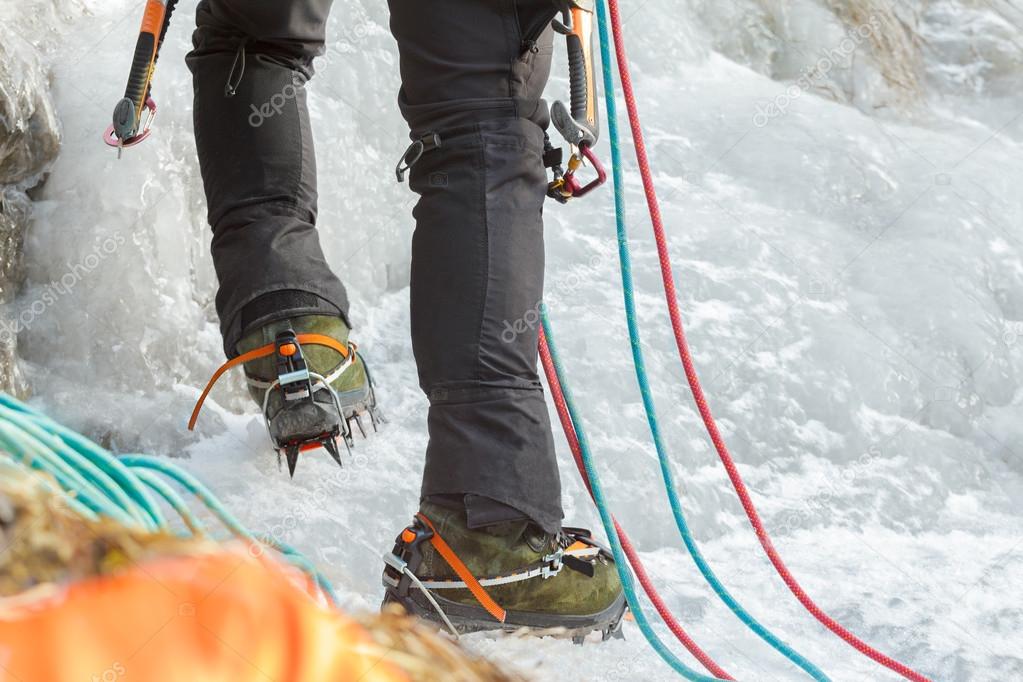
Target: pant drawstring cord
231,87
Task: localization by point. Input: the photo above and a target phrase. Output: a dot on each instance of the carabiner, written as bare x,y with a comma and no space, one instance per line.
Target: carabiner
577,122
110,136
567,186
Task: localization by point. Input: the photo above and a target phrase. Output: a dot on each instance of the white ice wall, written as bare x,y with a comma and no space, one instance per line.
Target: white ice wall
848,247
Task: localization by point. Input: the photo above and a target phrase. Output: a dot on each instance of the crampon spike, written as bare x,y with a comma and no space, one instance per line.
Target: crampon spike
291,454
358,422
613,632
376,417
330,445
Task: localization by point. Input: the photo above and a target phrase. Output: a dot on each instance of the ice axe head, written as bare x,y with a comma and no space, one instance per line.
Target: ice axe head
578,122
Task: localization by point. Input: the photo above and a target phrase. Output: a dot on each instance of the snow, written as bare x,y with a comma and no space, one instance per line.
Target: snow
849,260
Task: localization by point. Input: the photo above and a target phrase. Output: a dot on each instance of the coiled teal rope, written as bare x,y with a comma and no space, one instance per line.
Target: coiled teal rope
641,374
204,495
98,484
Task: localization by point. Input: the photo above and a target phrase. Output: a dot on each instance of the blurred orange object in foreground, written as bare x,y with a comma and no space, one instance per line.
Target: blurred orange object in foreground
219,616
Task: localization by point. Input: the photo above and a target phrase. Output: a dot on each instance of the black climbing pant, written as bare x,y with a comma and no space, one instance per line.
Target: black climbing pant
473,72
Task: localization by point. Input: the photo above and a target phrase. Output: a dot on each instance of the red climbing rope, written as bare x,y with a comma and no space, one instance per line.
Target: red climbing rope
630,551
694,381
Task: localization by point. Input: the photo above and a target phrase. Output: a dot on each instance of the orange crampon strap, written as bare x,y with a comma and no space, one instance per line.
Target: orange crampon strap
463,572
262,352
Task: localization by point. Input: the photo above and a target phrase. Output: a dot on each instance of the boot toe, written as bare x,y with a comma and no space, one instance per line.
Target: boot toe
302,420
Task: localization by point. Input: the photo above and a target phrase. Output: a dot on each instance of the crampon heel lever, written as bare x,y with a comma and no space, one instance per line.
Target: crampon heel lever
579,122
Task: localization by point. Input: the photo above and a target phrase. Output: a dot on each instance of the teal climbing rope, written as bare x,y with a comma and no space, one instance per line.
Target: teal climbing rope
641,374
97,484
621,561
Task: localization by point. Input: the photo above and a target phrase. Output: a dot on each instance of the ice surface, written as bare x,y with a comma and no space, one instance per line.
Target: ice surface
850,268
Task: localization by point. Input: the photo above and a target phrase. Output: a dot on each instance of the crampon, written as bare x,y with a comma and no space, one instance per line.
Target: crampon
300,409
462,602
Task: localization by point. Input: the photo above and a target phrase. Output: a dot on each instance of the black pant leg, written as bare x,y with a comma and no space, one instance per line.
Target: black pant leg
473,71
256,156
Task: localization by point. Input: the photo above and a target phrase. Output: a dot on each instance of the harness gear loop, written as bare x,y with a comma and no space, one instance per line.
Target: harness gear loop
262,352
414,152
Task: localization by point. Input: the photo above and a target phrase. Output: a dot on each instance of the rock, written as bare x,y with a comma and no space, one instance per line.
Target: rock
29,131
29,143
15,213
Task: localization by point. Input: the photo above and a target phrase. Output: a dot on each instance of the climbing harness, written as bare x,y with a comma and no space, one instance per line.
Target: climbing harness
577,441
96,484
295,383
576,549
579,122
128,128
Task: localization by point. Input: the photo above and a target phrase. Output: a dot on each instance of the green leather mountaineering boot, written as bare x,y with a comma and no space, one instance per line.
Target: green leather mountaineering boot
311,386
504,577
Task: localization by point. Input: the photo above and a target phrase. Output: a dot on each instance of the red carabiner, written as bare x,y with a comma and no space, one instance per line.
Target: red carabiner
572,187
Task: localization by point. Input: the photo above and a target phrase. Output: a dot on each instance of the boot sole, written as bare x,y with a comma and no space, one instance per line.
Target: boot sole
468,619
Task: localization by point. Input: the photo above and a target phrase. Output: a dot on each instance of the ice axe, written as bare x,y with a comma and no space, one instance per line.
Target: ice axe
579,121
128,128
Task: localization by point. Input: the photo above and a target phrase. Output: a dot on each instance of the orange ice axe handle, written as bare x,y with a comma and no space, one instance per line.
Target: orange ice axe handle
578,123
127,129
